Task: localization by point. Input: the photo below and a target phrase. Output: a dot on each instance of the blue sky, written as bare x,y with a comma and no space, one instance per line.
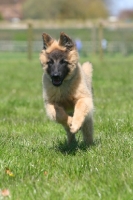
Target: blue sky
118,5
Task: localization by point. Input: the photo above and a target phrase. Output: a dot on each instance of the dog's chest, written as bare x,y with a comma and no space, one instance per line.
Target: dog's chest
62,96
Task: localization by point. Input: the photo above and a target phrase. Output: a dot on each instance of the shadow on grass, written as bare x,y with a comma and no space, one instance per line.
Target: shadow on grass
64,148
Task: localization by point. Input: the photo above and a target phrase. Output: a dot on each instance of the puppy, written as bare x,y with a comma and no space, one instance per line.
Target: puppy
67,87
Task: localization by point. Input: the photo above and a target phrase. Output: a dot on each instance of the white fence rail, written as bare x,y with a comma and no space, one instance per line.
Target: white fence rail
87,46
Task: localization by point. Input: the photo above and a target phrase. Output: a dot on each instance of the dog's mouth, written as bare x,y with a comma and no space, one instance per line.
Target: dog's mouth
56,80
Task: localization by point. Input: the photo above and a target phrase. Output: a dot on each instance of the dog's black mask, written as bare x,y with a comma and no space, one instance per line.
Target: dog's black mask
57,66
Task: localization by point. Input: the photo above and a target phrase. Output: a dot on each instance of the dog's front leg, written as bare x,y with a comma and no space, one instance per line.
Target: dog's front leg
58,114
83,108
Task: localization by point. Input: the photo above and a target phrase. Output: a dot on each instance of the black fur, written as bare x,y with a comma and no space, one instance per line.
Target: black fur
57,66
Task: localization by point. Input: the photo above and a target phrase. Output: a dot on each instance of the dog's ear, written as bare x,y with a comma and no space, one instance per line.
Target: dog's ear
47,40
65,41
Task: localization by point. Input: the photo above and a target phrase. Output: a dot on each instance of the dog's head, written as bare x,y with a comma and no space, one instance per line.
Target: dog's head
58,58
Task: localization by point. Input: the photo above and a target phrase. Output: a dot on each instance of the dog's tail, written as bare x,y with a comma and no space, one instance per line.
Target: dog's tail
87,69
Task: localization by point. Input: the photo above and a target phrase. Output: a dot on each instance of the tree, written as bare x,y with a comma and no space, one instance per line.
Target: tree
64,9
96,9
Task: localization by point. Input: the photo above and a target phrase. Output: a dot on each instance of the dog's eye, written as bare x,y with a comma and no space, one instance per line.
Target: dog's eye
50,62
63,61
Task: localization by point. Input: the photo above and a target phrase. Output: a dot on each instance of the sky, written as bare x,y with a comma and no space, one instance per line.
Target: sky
118,5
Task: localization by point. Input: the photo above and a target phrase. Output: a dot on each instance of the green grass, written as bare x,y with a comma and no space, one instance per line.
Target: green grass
35,151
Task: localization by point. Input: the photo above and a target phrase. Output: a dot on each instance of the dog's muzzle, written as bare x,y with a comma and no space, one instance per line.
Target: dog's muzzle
56,80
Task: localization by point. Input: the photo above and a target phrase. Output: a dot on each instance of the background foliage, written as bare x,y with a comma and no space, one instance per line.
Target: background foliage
64,9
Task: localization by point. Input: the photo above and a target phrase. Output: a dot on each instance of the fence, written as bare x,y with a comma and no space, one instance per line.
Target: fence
95,39
88,47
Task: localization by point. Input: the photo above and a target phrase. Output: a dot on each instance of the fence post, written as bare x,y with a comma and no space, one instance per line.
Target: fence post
30,39
100,41
93,35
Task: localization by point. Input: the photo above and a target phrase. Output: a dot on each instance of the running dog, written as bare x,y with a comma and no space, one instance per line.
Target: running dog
67,87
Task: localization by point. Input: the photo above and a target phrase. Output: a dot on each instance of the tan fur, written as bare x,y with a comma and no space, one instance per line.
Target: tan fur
70,104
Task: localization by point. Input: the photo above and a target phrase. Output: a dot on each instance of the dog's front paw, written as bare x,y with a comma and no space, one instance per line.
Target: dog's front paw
74,128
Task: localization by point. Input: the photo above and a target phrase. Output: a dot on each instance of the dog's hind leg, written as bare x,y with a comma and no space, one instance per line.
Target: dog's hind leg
87,130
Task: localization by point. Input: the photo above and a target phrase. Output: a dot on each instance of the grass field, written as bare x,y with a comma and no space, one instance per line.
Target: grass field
35,162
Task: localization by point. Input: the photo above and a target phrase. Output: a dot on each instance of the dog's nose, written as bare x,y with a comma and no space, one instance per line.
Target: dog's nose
56,74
